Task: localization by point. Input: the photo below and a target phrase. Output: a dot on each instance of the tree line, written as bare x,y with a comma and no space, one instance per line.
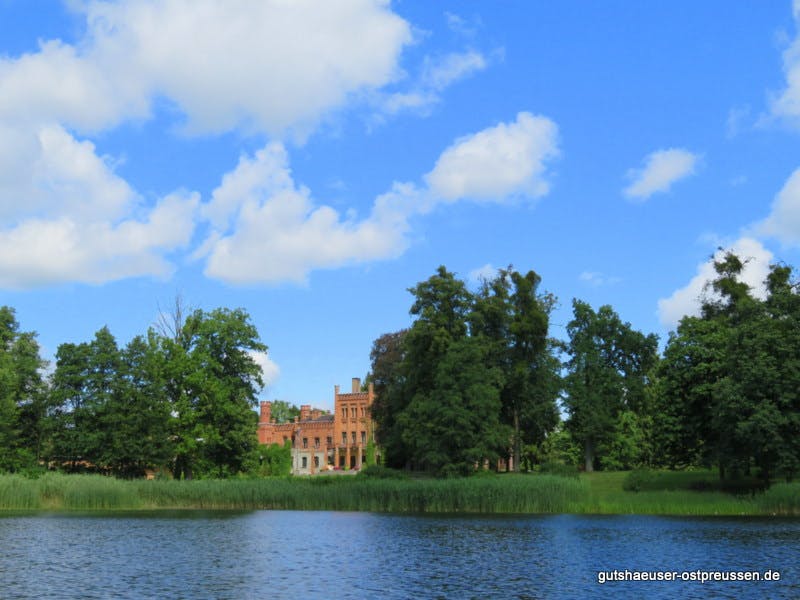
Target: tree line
178,398
477,377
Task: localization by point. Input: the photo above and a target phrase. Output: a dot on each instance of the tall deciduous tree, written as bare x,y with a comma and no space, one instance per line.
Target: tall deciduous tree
608,370
729,385
212,382
511,317
386,358
21,395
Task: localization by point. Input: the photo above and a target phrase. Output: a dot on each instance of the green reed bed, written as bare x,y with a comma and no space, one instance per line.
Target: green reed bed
507,494
781,499
675,503
471,495
599,493
18,493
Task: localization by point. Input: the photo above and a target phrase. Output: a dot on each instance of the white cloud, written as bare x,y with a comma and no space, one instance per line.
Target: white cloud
662,168
280,233
783,221
485,273
785,106
66,216
259,65
496,163
268,229
437,75
687,300
597,279
46,171
269,369
40,252
255,65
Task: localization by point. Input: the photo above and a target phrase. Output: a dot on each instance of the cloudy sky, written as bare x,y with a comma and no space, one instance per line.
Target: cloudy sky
309,161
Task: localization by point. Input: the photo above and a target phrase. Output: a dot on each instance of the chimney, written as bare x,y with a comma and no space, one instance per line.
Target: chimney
356,384
305,412
266,408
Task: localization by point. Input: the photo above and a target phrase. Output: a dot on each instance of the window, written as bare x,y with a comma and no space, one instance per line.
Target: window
344,412
329,441
316,462
305,442
353,436
344,438
305,462
363,438
316,442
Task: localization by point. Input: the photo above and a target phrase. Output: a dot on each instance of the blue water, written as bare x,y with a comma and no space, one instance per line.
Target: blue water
284,554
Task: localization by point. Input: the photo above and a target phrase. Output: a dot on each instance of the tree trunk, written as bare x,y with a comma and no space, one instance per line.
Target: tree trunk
588,456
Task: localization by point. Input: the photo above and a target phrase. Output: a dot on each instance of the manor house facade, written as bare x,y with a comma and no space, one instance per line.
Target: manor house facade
322,441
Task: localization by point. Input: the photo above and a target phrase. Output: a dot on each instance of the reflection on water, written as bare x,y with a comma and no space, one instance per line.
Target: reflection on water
283,554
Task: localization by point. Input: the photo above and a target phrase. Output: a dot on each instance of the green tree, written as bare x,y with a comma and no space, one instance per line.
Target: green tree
21,395
283,412
728,390
136,416
608,370
454,425
84,382
386,358
512,319
212,382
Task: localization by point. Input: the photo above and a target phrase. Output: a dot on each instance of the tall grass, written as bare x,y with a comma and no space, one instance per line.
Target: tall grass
781,499
599,493
508,494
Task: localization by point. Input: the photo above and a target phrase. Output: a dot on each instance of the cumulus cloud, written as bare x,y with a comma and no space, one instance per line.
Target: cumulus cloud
47,172
66,216
259,65
503,161
687,300
270,230
661,169
270,371
39,252
783,221
785,106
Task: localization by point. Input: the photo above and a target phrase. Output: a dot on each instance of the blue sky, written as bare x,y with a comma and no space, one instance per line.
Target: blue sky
310,161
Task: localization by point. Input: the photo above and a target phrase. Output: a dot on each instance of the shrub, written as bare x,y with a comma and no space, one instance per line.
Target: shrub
638,480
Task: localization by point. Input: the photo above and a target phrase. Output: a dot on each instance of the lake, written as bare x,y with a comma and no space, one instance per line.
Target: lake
286,554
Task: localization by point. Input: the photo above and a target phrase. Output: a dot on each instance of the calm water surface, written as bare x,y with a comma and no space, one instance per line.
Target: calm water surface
305,555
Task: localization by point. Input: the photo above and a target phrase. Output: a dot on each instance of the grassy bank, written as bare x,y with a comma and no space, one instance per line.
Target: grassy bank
596,493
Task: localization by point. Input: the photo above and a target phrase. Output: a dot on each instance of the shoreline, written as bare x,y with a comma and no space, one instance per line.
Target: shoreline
506,494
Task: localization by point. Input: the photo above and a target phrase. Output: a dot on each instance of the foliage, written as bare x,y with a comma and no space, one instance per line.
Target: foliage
474,378
273,460
22,400
511,319
609,369
283,412
729,389
386,375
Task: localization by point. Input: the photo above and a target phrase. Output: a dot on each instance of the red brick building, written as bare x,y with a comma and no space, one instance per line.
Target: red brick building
323,441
